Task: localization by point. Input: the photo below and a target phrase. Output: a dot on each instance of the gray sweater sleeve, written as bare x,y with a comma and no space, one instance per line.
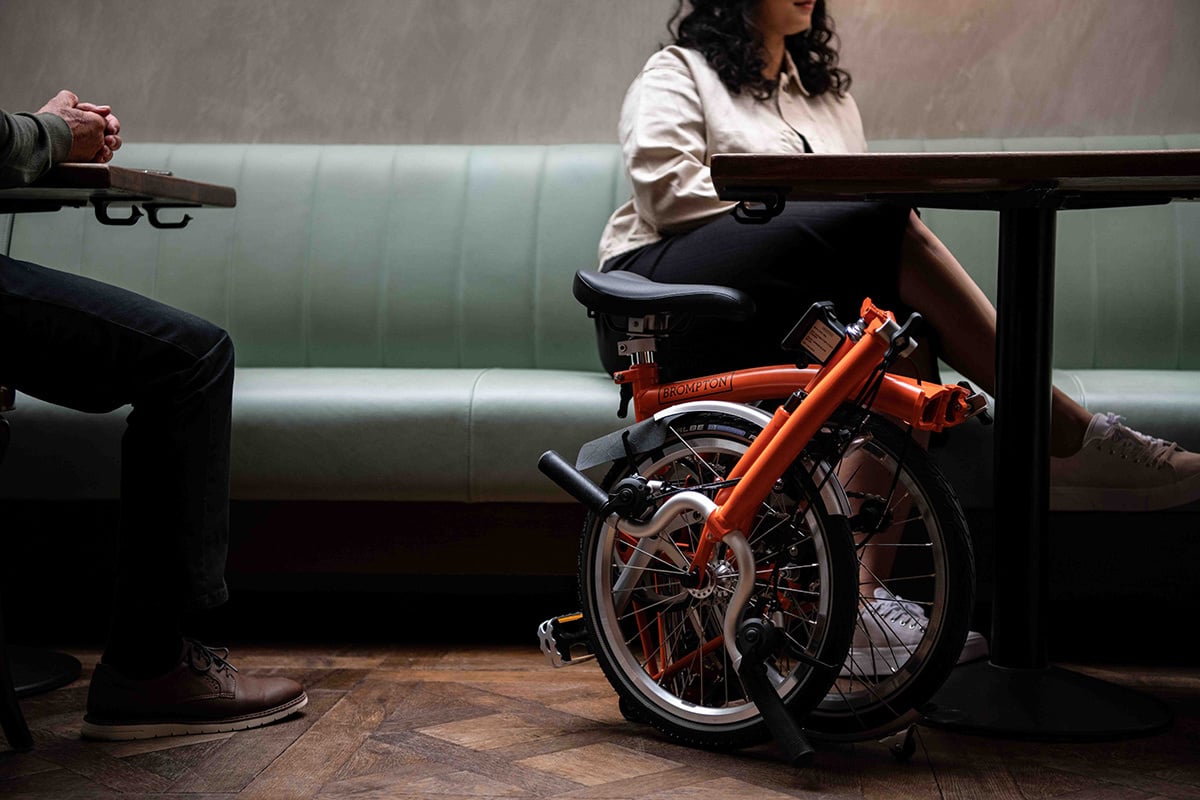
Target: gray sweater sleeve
29,145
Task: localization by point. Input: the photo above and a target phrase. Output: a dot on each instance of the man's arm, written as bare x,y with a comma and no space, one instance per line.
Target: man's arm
29,145
62,130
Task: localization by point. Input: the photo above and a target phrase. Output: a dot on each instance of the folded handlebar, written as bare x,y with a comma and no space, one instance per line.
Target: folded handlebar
583,489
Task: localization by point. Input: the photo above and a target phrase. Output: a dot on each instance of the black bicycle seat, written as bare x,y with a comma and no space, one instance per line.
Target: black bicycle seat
629,295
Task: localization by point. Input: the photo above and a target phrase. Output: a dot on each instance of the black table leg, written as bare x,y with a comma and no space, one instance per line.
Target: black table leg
1017,693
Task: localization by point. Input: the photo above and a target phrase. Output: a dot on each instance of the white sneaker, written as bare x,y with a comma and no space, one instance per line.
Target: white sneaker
888,631
1119,469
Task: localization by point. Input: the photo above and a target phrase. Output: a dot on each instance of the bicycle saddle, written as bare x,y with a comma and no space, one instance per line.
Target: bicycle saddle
631,295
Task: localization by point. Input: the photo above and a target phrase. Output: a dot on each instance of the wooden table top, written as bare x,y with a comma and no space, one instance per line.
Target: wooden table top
81,184
1167,173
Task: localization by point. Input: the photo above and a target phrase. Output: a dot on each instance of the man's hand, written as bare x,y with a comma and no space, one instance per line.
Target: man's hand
95,132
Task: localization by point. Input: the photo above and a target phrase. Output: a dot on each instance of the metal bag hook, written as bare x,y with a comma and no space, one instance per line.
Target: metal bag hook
101,208
152,210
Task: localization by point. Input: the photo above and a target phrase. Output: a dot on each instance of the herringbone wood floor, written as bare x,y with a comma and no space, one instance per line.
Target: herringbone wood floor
484,722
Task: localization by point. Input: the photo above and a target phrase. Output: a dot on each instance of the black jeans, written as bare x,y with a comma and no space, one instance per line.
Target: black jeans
86,345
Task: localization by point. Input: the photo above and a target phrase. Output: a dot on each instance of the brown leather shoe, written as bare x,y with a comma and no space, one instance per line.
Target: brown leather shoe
204,693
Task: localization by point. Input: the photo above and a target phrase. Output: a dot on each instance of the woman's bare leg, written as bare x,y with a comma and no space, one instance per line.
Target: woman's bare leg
935,284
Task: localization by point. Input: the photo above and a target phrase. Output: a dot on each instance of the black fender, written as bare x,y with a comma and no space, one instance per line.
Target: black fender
651,434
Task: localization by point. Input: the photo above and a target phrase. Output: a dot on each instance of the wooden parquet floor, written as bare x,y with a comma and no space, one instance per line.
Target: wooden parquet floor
496,722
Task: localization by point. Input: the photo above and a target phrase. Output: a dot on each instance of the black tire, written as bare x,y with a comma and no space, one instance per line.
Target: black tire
936,570
657,640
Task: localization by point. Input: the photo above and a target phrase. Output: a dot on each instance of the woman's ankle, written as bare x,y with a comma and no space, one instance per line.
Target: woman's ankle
1067,430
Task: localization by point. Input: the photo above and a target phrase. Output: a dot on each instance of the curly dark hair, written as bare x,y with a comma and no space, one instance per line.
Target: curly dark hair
724,32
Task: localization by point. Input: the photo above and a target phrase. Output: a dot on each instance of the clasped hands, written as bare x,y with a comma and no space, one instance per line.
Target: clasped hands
95,132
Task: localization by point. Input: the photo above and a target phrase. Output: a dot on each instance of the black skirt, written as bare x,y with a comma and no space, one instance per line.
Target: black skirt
841,252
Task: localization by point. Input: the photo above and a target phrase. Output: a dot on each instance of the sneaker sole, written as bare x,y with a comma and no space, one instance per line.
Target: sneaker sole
128,731
876,661
975,648
1070,498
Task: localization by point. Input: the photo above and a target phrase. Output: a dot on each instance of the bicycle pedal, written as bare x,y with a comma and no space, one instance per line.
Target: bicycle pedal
564,640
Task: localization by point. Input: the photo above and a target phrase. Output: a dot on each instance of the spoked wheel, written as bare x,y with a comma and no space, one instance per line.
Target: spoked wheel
916,584
657,632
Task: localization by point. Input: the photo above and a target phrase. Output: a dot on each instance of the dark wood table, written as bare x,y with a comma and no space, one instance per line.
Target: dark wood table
103,186
1016,692
26,670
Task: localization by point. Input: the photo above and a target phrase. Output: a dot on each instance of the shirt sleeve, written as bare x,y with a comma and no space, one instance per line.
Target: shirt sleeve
857,136
664,139
29,145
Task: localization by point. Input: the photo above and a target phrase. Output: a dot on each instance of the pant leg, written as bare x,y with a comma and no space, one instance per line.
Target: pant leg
812,252
93,347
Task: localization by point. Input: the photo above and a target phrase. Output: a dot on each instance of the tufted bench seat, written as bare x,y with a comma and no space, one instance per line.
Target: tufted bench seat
402,316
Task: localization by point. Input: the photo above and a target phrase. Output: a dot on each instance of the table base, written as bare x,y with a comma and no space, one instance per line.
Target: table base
1049,704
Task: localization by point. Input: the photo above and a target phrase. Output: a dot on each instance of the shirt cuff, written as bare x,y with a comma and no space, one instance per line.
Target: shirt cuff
60,137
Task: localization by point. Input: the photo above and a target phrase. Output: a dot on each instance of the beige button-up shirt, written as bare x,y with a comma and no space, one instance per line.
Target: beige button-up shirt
677,114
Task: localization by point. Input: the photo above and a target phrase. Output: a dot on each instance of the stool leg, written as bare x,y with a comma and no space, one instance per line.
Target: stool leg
12,721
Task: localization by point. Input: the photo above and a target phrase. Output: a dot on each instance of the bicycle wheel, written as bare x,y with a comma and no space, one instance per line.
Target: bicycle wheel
905,511
660,643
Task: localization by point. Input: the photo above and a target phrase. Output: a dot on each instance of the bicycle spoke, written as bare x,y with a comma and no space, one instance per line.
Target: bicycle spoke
695,454
665,601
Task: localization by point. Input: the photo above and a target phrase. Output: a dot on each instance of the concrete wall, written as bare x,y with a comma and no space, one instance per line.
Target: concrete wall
546,71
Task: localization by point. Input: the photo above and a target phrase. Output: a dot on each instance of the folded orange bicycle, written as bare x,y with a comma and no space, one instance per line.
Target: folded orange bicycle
744,574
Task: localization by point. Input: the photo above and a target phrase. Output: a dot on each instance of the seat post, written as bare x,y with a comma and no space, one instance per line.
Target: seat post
643,333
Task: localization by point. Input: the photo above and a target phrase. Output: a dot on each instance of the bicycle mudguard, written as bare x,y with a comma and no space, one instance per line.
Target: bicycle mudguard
640,437
651,434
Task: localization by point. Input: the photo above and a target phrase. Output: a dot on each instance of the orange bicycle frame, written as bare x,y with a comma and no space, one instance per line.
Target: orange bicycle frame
925,406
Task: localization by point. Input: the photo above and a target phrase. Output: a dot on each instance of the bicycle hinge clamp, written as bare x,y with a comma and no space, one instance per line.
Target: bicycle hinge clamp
901,342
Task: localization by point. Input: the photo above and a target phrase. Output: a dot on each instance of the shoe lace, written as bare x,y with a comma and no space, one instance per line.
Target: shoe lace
1135,446
204,657
895,611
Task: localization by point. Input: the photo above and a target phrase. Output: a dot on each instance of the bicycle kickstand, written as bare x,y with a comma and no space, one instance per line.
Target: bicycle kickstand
755,640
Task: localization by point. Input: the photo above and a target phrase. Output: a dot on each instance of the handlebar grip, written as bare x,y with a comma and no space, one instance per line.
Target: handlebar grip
572,481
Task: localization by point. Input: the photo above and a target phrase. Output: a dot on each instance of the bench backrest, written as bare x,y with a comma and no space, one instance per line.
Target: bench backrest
462,256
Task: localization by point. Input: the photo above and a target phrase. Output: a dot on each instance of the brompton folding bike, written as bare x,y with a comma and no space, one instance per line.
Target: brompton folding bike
731,557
